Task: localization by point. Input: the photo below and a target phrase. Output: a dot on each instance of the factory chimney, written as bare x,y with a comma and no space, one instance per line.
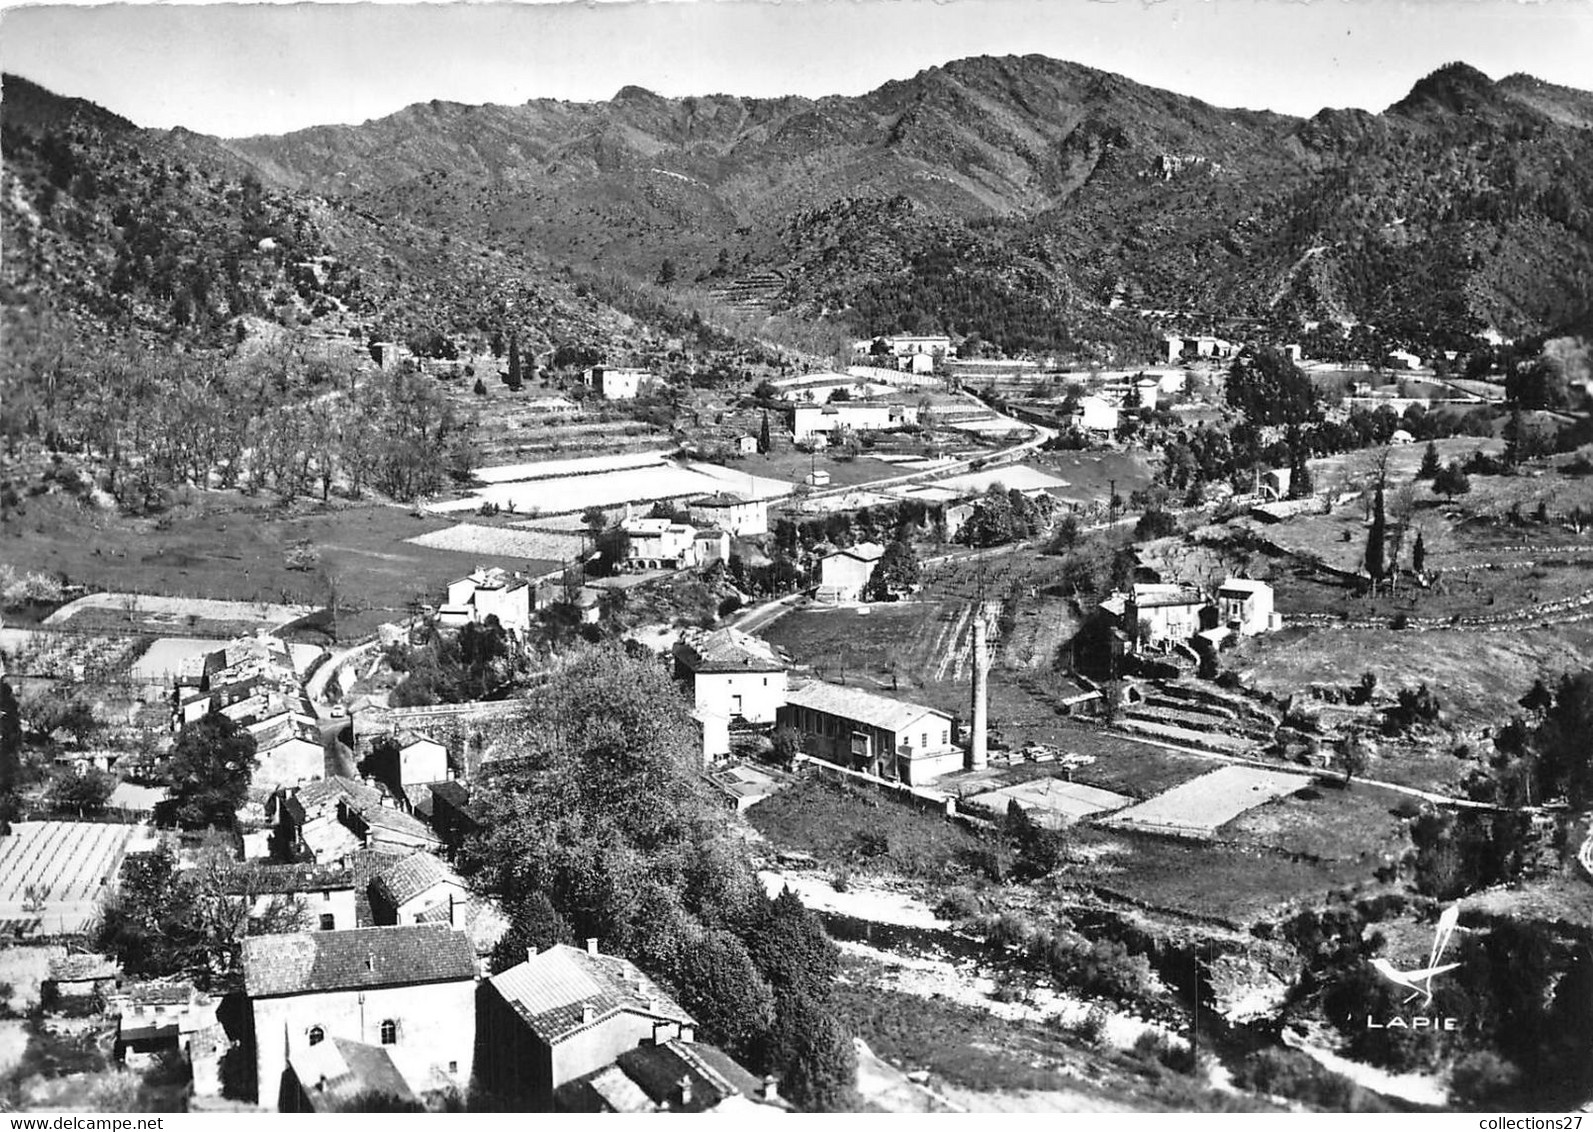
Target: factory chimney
977,755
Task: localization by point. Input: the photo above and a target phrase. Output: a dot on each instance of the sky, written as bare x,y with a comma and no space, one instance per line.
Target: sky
241,69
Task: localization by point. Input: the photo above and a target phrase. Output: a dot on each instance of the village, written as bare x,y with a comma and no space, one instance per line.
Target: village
976,591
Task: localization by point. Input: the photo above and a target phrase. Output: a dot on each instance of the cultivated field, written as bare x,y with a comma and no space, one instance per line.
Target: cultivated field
142,613
546,547
1211,800
67,656
164,658
1020,477
1051,801
613,488
54,872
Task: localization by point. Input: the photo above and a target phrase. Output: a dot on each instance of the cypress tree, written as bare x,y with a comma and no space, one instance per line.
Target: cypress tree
1430,462
1418,554
1374,539
513,380
764,444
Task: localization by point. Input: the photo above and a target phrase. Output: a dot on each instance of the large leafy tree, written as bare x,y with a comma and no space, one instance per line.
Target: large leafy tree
897,573
596,804
209,770
1269,389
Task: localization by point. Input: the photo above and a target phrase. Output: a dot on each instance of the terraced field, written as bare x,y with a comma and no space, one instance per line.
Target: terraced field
55,871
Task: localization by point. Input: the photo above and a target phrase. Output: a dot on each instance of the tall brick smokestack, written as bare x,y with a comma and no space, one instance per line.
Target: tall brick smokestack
978,756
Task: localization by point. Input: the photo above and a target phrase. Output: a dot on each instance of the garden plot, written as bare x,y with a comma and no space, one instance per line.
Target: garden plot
145,611
501,542
70,656
163,660
576,492
577,466
55,871
1018,476
1200,806
1052,802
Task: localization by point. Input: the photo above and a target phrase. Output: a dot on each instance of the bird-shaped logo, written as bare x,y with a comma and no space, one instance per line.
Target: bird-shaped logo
1420,981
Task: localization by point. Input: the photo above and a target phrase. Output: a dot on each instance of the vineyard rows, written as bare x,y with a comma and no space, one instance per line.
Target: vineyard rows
63,861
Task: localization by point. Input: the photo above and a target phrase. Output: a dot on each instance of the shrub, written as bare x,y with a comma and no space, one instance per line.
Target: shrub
302,556
1481,1076
959,904
1092,1027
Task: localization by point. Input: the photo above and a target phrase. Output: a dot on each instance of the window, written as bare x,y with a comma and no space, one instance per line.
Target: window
317,1035
326,896
453,1067
923,741
389,1032
945,737
328,923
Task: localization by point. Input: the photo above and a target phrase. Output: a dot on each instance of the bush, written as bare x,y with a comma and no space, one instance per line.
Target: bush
959,904
1092,1027
1481,1076
302,556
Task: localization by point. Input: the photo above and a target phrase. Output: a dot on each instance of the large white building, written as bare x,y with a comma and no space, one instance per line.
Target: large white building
732,674
615,383
660,544
843,573
729,512
856,416
1095,414
1244,605
872,733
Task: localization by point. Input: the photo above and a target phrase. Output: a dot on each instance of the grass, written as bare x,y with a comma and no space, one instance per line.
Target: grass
828,819
1090,475
1121,766
1357,824
1238,886
1478,677
230,545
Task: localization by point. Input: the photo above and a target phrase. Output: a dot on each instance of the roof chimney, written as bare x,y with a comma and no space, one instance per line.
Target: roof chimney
771,1089
587,1013
685,1090
591,945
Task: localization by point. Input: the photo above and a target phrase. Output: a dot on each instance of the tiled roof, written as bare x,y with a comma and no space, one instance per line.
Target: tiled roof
287,878
305,962
328,839
863,552
727,650
550,989
1243,585
719,499
714,1075
327,793
410,877
77,968
451,794
336,1071
386,819
860,706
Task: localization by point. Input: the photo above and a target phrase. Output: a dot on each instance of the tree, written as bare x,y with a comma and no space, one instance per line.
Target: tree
765,445
534,926
1430,462
666,272
1352,755
897,573
1154,524
819,1061
514,378
1418,554
720,987
1375,540
209,771
83,794
1451,481
480,388
10,756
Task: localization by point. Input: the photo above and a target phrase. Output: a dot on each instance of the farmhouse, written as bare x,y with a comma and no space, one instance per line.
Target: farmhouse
408,990
902,345
857,416
863,731
617,384
676,1076
406,758
1161,615
487,593
711,546
727,511
660,544
566,1012
1244,605
731,674
1095,414
843,573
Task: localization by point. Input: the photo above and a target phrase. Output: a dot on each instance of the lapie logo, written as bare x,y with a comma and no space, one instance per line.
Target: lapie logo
1419,980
